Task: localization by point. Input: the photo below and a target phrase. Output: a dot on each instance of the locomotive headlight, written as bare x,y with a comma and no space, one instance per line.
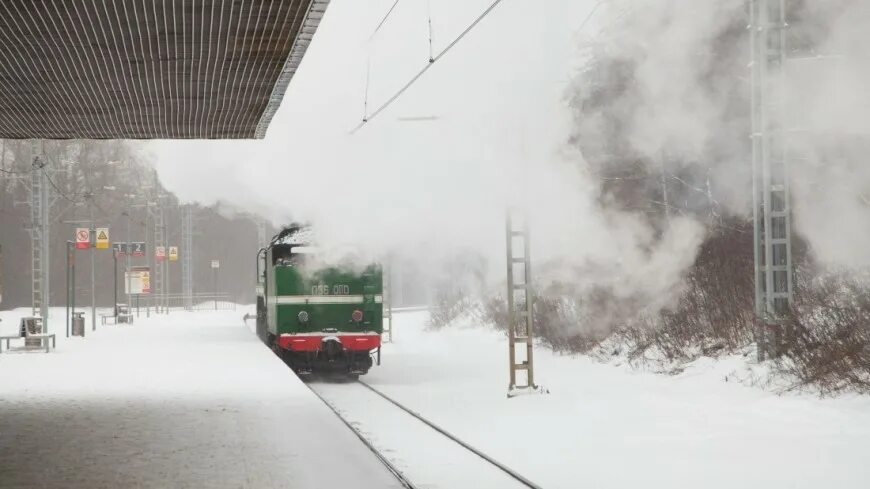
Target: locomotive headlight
303,316
357,316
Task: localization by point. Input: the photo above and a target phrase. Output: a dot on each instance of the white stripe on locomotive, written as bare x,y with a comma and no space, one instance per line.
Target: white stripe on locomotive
324,299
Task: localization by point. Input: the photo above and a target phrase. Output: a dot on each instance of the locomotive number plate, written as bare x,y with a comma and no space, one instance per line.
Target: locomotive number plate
337,289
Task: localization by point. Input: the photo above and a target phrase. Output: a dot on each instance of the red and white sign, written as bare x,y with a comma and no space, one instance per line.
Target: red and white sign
83,238
160,253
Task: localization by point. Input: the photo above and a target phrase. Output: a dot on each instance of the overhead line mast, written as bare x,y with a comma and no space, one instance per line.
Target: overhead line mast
774,272
187,256
40,225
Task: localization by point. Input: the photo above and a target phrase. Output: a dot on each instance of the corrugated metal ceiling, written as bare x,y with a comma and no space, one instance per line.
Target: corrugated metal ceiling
148,69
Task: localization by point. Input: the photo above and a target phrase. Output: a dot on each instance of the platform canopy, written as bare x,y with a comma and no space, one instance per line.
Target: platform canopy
148,69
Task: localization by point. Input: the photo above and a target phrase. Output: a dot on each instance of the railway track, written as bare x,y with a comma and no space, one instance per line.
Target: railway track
418,452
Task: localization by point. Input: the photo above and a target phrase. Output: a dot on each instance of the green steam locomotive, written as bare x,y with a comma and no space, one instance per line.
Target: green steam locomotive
318,317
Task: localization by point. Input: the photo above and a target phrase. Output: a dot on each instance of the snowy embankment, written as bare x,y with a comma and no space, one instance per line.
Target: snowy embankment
607,426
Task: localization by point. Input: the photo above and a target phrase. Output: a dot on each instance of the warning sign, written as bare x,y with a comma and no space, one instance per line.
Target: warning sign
103,238
145,278
83,238
173,253
160,253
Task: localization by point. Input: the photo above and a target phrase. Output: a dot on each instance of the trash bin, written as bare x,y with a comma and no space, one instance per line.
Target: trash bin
122,313
78,324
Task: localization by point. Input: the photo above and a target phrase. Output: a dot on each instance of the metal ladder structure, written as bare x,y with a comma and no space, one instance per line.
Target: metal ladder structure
187,256
520,299
771,196
159,266
40,222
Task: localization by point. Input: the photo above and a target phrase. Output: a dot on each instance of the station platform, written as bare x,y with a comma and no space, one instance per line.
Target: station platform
186,400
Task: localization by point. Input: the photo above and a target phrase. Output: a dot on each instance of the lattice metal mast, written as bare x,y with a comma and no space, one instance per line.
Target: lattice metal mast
159,266
187,256
40,224
771,197
519,303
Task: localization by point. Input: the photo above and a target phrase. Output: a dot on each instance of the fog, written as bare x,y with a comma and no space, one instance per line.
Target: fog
488,126
485,127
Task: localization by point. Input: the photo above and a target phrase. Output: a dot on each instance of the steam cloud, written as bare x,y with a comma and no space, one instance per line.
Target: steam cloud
498,130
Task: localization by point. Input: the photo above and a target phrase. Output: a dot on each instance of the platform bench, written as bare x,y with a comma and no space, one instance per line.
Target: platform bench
41,336
104,318
7,338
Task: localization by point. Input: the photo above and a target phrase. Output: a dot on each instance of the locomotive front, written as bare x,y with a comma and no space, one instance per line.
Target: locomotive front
319,317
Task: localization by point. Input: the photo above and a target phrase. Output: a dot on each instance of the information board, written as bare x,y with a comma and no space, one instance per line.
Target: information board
139,280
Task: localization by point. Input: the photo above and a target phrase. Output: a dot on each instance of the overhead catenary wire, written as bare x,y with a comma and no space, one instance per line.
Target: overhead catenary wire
369,61
41,166
58,190
432,61
383,20
429,14
366,98
591,13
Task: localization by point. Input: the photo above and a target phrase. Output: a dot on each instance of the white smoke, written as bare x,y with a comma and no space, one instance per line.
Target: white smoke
432,175
830,117
680,106
486,127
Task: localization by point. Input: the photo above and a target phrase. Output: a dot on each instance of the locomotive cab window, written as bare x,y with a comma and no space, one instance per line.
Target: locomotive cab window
290,255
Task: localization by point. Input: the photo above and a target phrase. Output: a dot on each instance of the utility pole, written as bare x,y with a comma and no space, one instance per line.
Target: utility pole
187,256
129,252
93,236
215,265
164,264
771,197
115,284
70,282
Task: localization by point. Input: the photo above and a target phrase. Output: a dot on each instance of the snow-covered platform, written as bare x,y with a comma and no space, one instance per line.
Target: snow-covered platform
189,400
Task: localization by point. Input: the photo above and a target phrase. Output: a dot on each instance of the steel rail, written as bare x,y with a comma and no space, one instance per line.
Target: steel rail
392,468
513,474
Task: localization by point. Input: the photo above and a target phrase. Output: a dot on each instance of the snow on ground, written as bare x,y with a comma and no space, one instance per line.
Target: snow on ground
603,426
193,400
185,400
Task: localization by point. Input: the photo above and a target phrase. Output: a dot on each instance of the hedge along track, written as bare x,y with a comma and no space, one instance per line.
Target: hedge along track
403,479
